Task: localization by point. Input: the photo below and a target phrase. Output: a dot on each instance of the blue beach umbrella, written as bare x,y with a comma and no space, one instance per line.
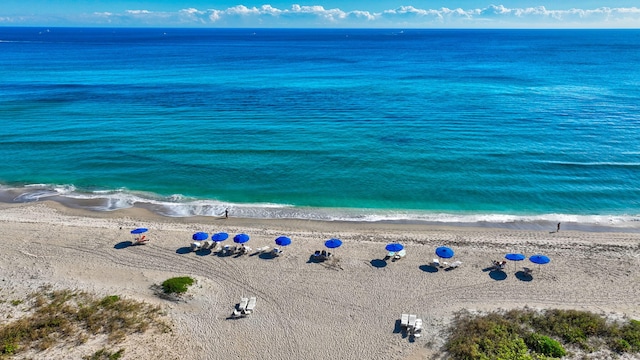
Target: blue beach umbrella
283,241
515,257
394,247
444,252
139,230
221,236
200,236
333,243
539,259
241,238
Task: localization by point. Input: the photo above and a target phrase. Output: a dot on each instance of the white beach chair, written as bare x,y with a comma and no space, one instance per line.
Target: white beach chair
241,308
412,321
400,254
196,245
417,329
251,305
207,244
435,263
404,320
527,271
455,264
262,249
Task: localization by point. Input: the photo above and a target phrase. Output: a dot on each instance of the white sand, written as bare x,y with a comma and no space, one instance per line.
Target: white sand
344,310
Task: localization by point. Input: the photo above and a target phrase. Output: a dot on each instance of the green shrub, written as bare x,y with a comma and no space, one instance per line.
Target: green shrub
9,348
486,338
104,354
544,334
177,285
109,300
620,345
545,345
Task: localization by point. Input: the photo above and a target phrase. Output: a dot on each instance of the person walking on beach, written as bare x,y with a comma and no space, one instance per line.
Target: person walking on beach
558,230
226,215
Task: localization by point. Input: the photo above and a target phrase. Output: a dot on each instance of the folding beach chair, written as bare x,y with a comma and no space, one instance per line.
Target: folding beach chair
251,305
412,321
404,320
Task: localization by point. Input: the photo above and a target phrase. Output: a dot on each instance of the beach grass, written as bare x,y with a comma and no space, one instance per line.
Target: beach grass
529,334
177,285
71,317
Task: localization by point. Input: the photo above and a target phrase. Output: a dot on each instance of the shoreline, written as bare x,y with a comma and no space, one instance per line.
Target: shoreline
203,210
346,308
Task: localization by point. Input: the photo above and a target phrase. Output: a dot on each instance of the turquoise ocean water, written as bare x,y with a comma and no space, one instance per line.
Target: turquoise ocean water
465,126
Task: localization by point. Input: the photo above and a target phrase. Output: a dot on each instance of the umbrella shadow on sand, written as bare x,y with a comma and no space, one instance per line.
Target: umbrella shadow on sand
378,263
498,275
183,250
428,268
122,245
523,276
267,256
203,252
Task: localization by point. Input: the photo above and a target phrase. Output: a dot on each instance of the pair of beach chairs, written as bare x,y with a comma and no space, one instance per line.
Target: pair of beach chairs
141,240
396,255
228,250
203,245
321,255
527,271
411,324
245,307
499,265
445,265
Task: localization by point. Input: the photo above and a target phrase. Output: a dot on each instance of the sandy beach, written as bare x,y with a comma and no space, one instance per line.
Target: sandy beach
346,308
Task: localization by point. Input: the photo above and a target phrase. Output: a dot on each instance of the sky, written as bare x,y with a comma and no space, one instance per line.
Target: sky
399,14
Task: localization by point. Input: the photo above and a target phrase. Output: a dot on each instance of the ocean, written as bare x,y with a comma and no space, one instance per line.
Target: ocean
489,127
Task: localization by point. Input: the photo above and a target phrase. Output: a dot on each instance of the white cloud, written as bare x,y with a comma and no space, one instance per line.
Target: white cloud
497,16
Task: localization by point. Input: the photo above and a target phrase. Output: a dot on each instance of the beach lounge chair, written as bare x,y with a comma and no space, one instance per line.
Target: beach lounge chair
241,308
214,246
400,254
262,249
412,321
390,255
246,249
207,244
417,329
435,263
251,305
316,254
196,245
276,252
527,271
455,264
226,250
404,320
140,240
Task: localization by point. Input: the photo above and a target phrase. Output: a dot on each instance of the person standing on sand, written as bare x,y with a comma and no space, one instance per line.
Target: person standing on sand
558,228
226,215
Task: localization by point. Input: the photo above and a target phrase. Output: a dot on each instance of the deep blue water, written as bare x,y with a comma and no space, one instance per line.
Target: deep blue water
438,125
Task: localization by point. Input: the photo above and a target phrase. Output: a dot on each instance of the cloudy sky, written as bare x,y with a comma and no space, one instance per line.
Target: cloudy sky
325,13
